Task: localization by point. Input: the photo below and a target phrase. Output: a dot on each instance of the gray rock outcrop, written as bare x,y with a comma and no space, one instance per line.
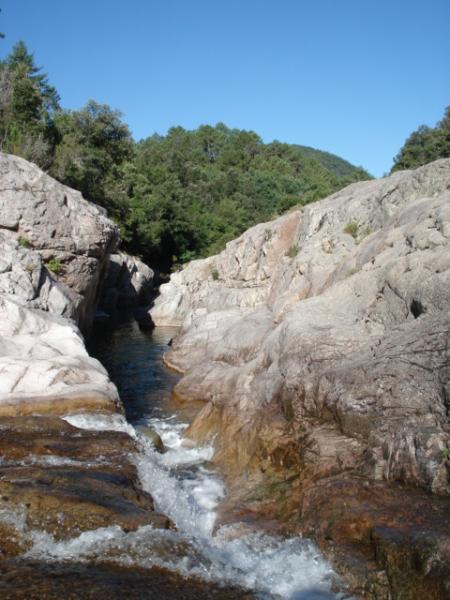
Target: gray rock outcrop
337,313
72,237
44,366
320,343
128,283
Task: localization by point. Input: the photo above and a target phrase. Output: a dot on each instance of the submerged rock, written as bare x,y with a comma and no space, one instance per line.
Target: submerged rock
320,346
152,436
34,580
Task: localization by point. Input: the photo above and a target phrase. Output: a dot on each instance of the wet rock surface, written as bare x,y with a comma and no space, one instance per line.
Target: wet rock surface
67,480
33,580
320,349
397,537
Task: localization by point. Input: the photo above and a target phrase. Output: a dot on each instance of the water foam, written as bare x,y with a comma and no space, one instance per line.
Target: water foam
100,422
185,490
284,568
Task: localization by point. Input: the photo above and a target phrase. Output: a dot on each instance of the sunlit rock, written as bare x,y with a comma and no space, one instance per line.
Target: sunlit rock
319,343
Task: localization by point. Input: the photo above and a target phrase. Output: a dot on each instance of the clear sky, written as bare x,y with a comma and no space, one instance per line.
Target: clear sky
354,77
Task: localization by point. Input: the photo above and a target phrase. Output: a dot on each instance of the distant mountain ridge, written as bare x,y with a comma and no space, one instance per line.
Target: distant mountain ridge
192,191
334,163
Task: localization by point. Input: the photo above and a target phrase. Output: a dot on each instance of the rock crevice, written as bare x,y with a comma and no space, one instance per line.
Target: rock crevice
54,477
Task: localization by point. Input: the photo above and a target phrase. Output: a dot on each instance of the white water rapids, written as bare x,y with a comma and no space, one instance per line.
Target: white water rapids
188,492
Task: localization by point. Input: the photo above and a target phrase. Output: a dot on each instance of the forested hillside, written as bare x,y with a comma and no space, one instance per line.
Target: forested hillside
192,191
425,145
175,197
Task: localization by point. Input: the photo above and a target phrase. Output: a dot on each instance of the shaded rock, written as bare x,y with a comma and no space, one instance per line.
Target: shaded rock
129,282
33,580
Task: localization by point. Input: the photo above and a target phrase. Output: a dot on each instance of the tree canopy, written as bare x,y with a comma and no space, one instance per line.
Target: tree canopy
27,105
90,146
425,145
175,197
192,191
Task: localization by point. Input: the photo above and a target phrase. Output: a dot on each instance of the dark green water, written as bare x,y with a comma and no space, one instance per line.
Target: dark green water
133,359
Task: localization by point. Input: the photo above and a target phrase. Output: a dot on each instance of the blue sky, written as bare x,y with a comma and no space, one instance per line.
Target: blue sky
351,77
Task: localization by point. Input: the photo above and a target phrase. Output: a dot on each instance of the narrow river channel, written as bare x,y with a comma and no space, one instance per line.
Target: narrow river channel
185,488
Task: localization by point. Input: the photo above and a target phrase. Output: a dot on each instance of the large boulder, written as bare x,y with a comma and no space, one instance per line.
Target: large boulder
128,283
320,345
72,237
47,227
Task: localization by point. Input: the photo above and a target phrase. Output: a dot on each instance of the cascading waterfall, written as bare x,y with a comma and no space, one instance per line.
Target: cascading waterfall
188,492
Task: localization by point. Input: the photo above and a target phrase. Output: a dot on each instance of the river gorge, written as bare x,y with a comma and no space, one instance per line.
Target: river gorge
282,431
184,488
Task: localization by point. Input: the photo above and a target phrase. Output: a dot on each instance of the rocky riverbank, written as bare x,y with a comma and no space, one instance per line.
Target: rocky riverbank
319,344
58,478
54,476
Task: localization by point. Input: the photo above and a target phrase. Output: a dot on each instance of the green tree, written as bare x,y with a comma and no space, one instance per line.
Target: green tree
27,106
92,147
425,145
192,191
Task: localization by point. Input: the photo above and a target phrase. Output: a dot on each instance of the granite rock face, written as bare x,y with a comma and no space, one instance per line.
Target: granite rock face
44,365
72,237
129,283
320,342
56,478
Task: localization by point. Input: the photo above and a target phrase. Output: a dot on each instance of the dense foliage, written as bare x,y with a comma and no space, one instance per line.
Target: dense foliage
192,191
175,197
425,145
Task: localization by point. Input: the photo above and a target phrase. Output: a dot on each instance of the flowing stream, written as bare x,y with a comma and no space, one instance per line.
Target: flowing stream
184,488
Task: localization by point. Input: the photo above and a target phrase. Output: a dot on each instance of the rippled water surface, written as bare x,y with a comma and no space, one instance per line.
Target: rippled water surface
184,488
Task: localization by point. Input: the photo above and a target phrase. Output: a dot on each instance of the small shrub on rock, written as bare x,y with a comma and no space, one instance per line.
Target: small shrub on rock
55,266
293,251
352,229
23,241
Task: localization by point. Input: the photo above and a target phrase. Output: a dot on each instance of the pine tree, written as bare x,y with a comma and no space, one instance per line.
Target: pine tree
27,106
